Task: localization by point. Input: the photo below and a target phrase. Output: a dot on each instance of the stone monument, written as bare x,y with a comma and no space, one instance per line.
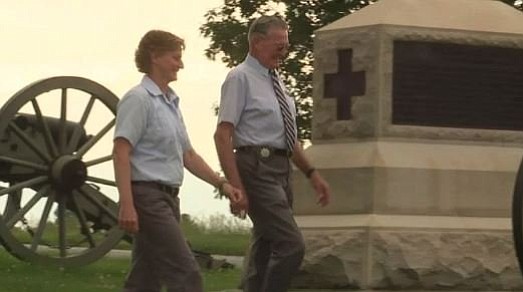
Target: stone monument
418,119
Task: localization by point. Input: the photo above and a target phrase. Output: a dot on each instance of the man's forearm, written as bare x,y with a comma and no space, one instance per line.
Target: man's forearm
299,159
225,152
227,161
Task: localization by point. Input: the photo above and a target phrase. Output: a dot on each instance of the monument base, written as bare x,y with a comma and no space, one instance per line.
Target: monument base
408,252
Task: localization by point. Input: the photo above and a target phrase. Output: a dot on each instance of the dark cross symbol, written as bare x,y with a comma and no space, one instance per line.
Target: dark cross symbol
344,84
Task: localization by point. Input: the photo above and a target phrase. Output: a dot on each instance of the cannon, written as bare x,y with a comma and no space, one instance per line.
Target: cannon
57,204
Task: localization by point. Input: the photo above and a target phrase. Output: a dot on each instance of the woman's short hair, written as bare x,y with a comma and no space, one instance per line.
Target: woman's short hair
155,42
262,24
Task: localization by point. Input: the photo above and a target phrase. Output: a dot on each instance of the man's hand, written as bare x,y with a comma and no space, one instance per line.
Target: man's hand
238,200
322,189
128,219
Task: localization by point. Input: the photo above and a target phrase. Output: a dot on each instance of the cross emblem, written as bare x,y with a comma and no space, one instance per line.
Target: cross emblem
344,84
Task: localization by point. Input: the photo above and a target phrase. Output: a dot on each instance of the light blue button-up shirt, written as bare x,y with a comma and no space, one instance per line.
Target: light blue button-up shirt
249,103
153,124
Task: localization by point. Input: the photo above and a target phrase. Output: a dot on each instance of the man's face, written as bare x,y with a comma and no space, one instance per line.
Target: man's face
272,48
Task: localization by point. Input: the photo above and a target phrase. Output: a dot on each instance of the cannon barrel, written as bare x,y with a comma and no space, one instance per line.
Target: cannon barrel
13,146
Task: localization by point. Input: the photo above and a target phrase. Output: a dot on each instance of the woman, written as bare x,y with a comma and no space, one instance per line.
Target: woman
151,149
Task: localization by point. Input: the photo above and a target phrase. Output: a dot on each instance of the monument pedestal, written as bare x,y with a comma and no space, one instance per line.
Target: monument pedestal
410,215
401,252
421,152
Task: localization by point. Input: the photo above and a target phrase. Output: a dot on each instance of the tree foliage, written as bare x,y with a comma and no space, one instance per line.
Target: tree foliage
227,26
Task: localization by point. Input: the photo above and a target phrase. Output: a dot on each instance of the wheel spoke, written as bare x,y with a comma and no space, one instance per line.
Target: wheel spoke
75,137
28,141
20,162
13,204
98,160
62,241
63,119
101,181
83,222
95,139
29,183
16,217
96,202
49,141
43,222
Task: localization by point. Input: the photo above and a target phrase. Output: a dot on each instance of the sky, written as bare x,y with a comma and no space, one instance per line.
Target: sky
96,39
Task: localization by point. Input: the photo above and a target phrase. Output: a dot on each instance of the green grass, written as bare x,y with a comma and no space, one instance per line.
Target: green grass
104,275
217,234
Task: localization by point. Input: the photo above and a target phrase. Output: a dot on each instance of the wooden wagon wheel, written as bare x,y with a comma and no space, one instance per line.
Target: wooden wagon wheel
517,216
55,150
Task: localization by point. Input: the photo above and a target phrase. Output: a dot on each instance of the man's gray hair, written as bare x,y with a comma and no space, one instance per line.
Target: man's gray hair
262,24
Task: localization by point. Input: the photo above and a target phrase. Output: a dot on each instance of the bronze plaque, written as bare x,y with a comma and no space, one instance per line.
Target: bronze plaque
454,85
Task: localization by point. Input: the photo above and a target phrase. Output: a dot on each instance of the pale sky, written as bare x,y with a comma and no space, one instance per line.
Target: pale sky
96,39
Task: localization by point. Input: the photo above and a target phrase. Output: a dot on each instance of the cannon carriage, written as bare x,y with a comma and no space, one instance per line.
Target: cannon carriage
57,205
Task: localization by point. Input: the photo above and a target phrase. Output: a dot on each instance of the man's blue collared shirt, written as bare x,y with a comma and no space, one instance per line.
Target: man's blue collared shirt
153,124
249,103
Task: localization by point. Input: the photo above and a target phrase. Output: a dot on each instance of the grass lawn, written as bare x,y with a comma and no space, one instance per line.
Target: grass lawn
104,275
217,235
222,237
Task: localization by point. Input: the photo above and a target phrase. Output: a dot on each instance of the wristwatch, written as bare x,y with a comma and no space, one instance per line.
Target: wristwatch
309,172
221,183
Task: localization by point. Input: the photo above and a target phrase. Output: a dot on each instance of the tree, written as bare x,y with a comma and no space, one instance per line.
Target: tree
227,27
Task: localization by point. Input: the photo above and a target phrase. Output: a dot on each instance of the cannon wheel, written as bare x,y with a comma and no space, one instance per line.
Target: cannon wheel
517,216
61,183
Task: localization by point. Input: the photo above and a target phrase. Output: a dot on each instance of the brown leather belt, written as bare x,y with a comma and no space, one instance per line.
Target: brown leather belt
265,151
173,191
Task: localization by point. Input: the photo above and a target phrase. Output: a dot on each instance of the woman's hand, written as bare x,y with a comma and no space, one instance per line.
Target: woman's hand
127,218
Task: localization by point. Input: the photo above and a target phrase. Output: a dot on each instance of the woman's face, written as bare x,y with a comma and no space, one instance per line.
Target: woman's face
167,64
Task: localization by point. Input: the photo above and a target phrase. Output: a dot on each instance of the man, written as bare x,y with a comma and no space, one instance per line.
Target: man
151,149
255,136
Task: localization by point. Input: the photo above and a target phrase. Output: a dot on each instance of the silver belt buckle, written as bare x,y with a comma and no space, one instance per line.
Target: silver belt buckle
265,152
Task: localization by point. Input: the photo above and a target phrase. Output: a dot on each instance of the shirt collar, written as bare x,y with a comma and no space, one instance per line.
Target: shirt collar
155,91
254,63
